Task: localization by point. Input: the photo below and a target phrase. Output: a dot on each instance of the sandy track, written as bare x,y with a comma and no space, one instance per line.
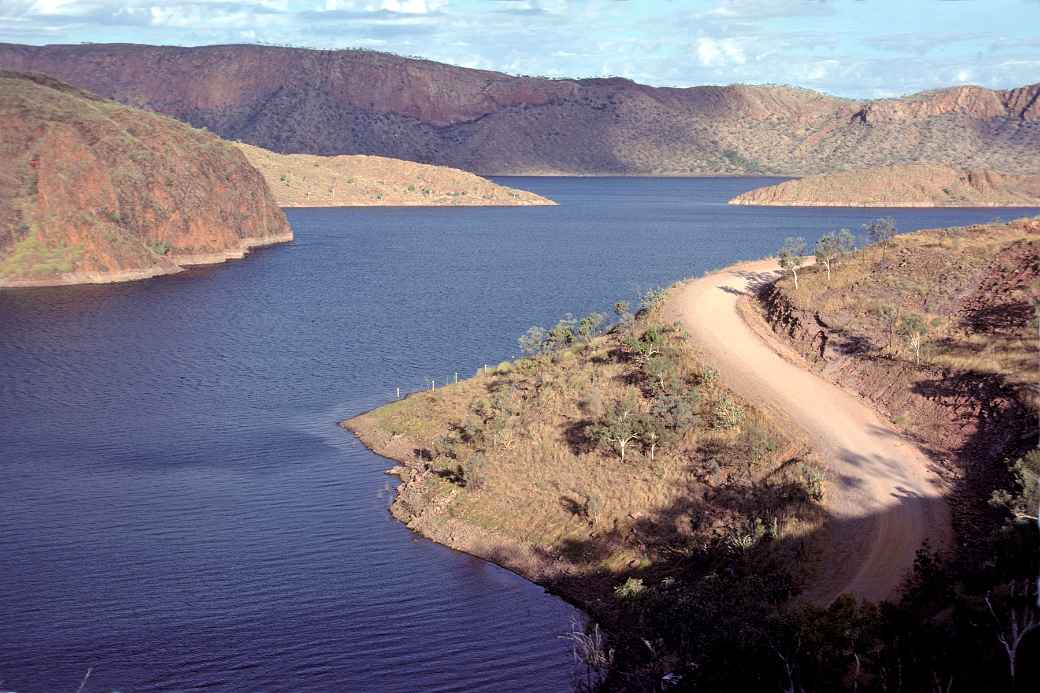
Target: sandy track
883,496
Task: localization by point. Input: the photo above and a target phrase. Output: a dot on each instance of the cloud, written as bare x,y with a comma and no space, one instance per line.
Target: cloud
767,9
713,52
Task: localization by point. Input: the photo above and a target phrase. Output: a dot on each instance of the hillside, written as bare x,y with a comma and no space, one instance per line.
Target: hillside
361,102
93,191
912,185
308,180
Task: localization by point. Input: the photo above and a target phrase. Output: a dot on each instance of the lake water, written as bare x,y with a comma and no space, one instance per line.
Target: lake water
178,508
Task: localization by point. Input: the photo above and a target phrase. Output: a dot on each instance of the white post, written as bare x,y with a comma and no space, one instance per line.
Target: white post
398,392
456,377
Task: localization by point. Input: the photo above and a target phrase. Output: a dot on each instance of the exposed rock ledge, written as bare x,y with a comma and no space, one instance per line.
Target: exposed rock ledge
912,185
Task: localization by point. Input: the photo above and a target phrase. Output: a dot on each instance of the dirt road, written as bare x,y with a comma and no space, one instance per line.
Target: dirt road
882,495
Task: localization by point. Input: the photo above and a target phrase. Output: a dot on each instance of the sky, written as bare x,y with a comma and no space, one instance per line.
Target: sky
852,48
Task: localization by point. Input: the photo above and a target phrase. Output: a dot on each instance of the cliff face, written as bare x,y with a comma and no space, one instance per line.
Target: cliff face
308,180
358,102
915,185
93,191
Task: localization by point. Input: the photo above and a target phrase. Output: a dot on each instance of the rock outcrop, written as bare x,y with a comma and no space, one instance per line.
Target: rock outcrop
915,185
93,191
308,180
359,102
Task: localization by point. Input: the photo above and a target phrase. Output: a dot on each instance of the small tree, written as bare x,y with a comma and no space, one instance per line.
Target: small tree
532,343
619,427
846,242
827,251
589,325
1023,617
913,328
881,230
790,256
621,309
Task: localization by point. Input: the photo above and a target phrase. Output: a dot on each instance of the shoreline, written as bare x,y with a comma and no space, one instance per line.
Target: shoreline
174,264
457,535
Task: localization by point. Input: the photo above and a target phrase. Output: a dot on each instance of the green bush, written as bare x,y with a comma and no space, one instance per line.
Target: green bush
632,588
727,413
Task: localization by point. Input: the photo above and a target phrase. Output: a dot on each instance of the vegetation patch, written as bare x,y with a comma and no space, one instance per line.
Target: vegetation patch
31,258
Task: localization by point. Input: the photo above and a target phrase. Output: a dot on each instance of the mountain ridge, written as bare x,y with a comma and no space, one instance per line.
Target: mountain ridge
292,100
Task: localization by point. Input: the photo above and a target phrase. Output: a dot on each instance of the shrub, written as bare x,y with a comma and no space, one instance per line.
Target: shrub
727,413
632,588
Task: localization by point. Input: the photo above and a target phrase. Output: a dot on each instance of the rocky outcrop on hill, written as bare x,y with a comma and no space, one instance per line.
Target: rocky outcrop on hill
307,180
93,191
360,102
914,185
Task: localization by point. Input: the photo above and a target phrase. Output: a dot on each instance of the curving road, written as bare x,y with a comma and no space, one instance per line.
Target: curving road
883,497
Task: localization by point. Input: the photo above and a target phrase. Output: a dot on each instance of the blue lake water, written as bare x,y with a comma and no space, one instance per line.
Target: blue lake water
178,508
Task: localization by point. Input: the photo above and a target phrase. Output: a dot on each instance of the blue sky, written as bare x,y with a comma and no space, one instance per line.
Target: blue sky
856,48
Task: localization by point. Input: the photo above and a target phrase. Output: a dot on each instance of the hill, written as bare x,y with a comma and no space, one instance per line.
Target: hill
360,102
912,185
308,180
93,191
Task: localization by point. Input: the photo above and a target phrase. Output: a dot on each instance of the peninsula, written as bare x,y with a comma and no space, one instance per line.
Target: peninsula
910,185
308,180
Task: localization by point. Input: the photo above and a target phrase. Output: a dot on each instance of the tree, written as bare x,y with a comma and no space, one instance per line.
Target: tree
621,309
1023,617
532,343
648,345
827,251
846,242
790,256
589,325
662,371
619,427
913,328
1024,505
881,230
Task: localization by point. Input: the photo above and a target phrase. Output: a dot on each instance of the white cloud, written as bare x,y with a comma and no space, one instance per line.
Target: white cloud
712,52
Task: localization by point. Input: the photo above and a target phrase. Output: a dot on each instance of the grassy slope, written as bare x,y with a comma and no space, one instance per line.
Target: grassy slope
534,493
306,180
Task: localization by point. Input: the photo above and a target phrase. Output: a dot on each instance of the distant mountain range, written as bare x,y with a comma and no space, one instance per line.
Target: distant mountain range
361,102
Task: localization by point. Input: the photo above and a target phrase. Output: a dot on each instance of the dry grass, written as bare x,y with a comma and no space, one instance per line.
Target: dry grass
542,483
305,180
